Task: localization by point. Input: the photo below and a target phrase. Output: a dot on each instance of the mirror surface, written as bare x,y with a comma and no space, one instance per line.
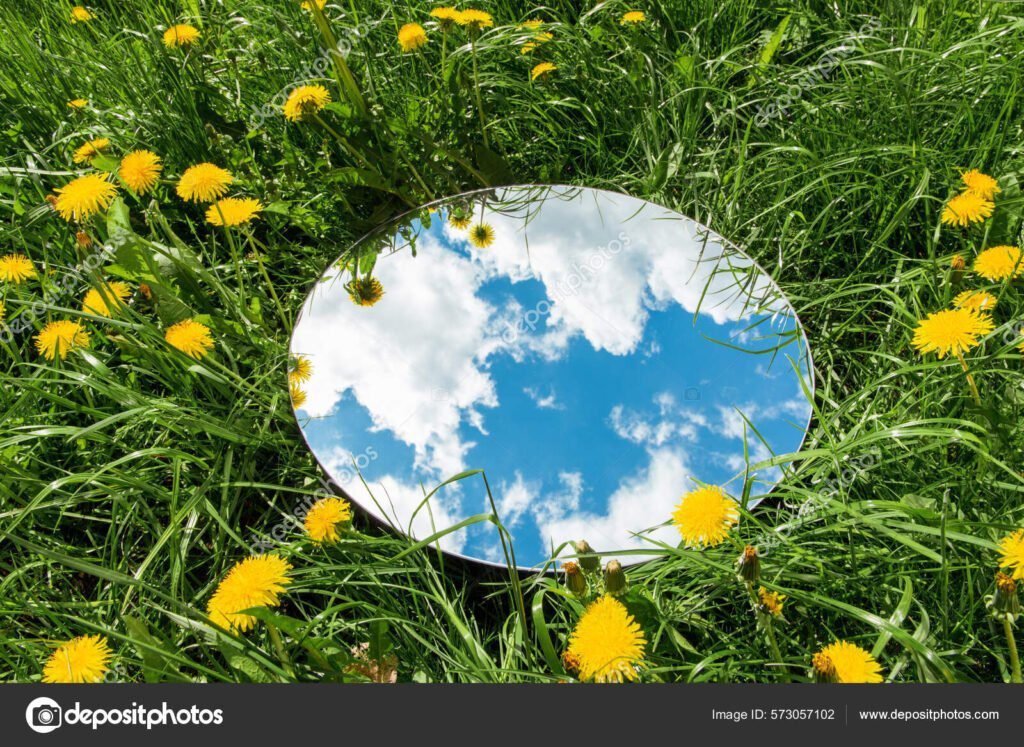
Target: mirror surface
597,356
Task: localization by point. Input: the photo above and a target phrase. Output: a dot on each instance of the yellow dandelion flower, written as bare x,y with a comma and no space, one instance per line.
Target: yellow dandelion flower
58,338
999,263
542,69
459,221
80,15
633,18
847,663
366,291
181,35
705,516
771,601
190,337
951,331
481,235
533,24
85,196
304,101
140,170
446,16
298,395
16,268
3,312
233,211
411,36
607,642
257,581
325,516
536,41
80,660
980,184
474,19
1012,549
975,301
88,151
204,182
106,300
302,370
308,4
78,103
966,208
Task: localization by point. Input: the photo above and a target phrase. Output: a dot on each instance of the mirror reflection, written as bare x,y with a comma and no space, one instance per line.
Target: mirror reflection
597,356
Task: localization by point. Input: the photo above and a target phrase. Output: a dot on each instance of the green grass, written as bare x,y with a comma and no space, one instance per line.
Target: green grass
131,478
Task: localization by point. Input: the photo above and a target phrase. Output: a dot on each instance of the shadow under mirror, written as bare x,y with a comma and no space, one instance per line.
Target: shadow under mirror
595,355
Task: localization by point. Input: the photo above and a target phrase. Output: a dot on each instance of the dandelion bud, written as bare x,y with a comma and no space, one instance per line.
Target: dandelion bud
748,567
1004,603
574,579
587,559
83,240
614,578
957,266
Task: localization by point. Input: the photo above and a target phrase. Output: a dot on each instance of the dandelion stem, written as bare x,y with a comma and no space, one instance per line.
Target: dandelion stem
282,655
970,379
479,98
270,286
1014,658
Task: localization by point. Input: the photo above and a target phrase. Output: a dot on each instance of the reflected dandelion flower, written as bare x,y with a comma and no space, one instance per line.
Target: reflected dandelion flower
365,291
481,235
302,370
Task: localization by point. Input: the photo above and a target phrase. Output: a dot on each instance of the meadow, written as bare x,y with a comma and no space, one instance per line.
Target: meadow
146,442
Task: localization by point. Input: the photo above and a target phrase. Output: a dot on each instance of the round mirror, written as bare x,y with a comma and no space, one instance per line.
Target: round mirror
594,355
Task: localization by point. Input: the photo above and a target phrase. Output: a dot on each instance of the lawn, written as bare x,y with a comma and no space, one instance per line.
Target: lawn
825,139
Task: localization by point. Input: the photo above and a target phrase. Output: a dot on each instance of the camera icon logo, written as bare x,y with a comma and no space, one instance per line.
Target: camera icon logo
43,715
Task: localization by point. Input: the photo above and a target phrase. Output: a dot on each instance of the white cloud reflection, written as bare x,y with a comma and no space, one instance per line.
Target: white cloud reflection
419,361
